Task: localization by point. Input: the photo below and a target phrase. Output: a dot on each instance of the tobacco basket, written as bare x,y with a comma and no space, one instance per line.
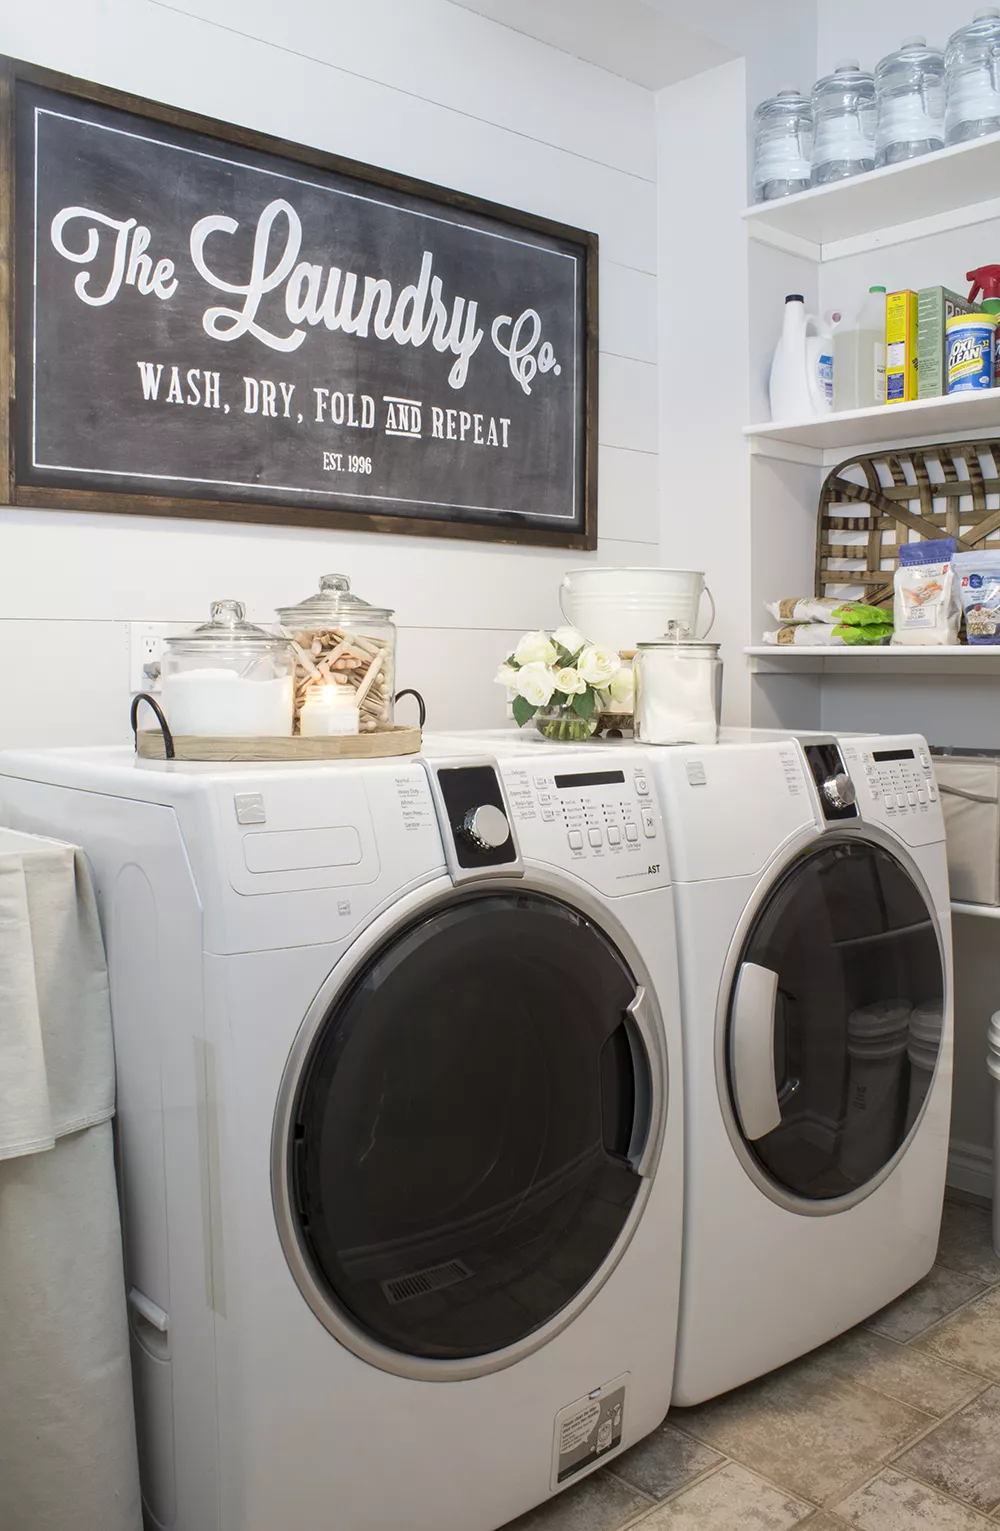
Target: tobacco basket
869,506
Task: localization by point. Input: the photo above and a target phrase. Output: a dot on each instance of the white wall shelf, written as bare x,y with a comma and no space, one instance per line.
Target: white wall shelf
881,659
885,207
985,911
955,415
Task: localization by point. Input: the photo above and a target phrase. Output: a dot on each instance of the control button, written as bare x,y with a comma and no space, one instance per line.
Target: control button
548,814
839,791
922,799
595,837
642,786
486,827
614,835
900,800
575,840
911,798
250,808
541,781
632,833
695,770
545,797
648,823
932,791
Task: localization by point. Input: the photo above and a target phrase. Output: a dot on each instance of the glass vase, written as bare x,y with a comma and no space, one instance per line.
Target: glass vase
562,724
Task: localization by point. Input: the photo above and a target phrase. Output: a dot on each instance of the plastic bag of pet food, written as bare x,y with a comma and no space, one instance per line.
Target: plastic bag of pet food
926,607
978,577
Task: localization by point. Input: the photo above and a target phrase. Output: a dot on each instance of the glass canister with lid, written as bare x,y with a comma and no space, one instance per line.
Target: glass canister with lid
678,691
228,679
909,95
844,123
339,639
783,136
972,79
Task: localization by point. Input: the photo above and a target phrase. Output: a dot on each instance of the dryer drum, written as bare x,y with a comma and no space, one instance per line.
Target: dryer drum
465,1126
842,952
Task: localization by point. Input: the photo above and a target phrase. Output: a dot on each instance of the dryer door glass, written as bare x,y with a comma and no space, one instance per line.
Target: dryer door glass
465,1127
834,1021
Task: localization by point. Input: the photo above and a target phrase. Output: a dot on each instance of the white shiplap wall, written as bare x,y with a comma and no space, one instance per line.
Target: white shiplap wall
423,87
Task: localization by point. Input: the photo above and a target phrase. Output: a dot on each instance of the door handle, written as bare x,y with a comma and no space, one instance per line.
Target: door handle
752,1051
650,1085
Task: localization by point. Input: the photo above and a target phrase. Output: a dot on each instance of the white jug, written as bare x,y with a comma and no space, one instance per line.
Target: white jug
801,381
621,608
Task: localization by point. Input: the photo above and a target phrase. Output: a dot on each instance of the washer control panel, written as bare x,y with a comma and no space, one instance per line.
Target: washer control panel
601,821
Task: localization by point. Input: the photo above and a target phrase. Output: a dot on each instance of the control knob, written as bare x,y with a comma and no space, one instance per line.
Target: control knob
839,790
486,827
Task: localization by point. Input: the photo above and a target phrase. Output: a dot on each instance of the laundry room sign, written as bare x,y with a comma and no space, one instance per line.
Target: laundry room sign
209,322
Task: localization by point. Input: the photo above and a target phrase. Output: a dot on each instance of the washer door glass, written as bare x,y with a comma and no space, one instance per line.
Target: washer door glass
464,1127
834,1021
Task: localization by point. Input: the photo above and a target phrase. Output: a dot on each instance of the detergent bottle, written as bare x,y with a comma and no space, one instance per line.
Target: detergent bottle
800,386
986,280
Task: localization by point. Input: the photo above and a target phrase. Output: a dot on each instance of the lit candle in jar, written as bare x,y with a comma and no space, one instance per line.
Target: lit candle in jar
329,710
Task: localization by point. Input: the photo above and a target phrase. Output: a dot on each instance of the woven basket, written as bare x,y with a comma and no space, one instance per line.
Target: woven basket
869,506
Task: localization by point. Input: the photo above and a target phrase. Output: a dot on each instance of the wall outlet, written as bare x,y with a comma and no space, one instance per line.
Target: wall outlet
145,650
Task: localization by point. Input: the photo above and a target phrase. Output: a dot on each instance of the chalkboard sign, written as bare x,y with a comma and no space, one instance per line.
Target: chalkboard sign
209,322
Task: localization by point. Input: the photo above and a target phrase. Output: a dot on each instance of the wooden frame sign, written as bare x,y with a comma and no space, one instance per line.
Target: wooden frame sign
198,320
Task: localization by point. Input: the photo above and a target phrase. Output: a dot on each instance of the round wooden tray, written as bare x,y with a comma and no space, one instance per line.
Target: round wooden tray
398,740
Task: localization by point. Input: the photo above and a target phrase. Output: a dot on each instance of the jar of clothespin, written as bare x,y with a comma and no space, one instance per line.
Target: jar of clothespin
340,640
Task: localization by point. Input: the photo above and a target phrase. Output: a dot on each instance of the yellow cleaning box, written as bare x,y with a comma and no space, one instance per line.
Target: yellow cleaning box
900,347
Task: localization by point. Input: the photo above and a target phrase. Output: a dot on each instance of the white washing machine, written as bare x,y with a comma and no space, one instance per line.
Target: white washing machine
813,925
400,1126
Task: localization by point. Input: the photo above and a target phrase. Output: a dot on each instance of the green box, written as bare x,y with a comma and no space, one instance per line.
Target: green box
935,306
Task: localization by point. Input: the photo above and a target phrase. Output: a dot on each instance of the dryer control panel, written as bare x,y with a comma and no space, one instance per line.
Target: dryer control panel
895,784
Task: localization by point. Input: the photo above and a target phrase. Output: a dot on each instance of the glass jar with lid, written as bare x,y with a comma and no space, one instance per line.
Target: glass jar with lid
843,123
228,679
972,79
339,639
909,98
783,136
678,692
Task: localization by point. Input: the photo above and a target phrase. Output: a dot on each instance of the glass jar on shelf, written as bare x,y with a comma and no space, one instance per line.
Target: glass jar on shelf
844,124
783,136
228,679
909,96
972,79
341,640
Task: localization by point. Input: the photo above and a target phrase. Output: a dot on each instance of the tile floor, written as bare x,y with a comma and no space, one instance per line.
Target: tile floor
892,1427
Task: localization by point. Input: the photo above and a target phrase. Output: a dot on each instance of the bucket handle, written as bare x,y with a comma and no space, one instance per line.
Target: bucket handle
711,601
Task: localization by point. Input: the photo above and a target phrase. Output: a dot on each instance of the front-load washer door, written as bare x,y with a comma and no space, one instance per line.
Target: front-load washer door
833,1024
468,1130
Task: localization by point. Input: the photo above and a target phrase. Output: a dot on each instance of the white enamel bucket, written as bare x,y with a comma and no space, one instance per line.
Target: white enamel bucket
621,608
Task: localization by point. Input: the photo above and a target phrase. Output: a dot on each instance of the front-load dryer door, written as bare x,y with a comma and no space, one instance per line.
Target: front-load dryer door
467,1131
833,1023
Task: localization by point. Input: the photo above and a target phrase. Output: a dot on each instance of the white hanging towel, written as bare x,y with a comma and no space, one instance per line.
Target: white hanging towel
67,1433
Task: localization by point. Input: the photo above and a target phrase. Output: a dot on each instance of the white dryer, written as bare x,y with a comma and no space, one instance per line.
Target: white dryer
400,1127
813,923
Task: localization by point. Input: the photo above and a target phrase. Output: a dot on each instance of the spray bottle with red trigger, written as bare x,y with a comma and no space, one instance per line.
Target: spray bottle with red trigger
986,281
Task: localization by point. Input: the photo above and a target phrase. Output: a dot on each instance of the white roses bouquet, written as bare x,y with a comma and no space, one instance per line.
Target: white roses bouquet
561,671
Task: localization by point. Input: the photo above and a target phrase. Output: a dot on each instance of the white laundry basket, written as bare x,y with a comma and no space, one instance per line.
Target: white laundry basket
993,1064
926,1025
877,1039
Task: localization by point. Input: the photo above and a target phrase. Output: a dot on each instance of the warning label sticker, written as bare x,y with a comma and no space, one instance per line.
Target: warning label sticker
587,1429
